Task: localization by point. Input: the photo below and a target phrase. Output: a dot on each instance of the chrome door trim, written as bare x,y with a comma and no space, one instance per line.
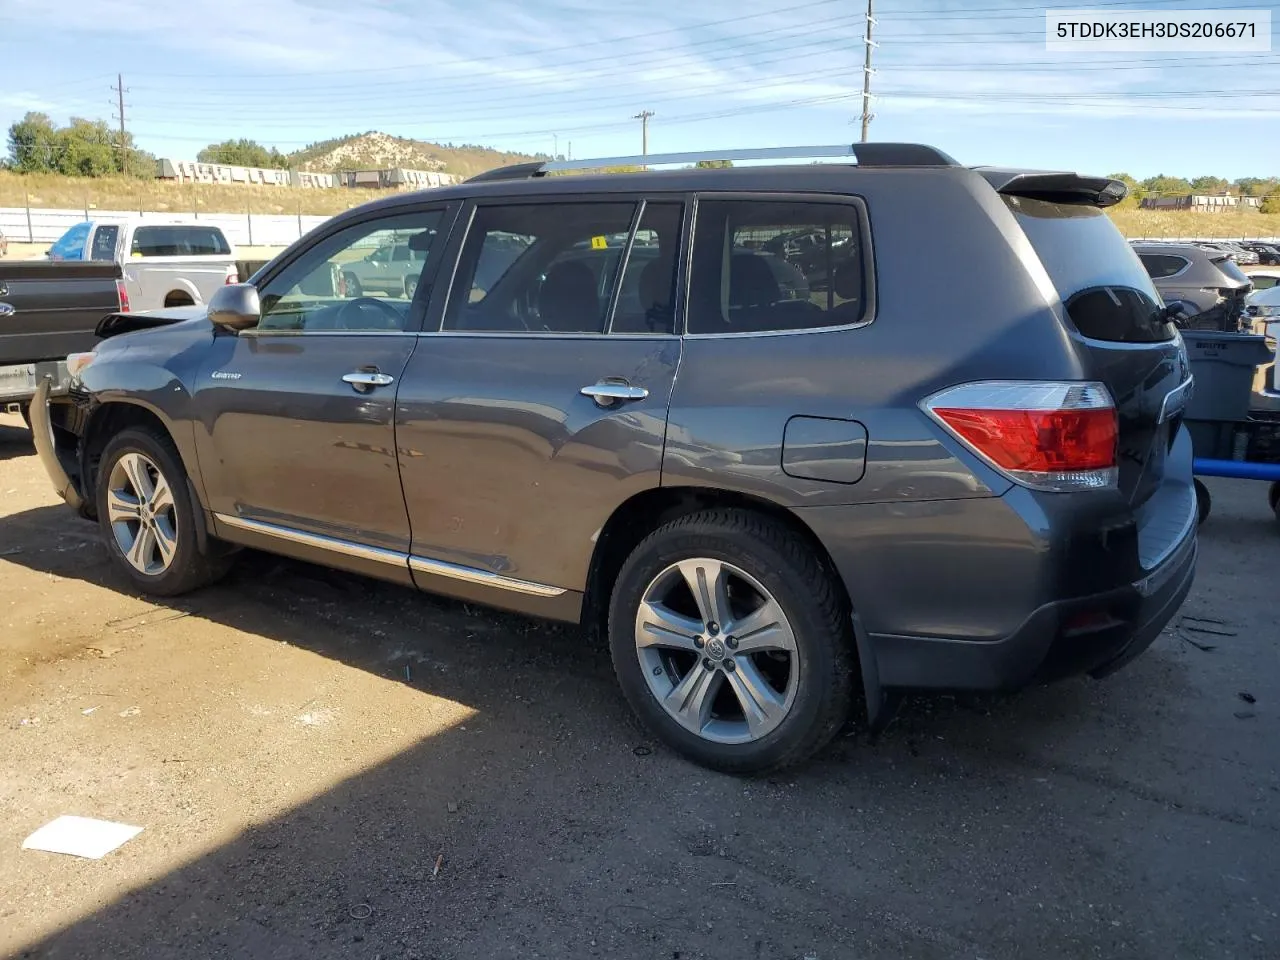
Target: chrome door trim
319,541
484,577
363,552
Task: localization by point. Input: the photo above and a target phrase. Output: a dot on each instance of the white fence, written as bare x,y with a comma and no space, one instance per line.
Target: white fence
25,225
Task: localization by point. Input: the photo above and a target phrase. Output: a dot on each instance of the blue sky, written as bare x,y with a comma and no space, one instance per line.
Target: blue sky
972,78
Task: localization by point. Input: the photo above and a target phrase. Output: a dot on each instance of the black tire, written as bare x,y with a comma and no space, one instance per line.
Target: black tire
24,409
786,566
1204,502
196,560
1273,498
351,287
410,287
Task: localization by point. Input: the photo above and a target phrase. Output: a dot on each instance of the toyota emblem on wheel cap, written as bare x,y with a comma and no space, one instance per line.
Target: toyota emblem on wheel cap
715,648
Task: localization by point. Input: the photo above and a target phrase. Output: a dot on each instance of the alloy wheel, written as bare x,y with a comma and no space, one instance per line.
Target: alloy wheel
142,514
717,650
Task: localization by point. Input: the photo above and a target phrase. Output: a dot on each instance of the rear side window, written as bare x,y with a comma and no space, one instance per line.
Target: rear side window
773,265
104,242
179,241
1107,292
1161,265
1228,266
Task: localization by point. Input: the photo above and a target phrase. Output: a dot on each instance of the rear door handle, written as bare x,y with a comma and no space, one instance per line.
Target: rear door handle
368,378
608,392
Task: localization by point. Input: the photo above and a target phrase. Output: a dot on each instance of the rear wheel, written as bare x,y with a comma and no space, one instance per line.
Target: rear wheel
1273,498
149,517
1203,501
731,643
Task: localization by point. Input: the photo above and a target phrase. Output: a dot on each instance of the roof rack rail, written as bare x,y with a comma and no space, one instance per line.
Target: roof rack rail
863,154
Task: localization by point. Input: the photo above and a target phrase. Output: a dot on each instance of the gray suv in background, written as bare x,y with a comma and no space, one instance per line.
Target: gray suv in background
711,414
1205,284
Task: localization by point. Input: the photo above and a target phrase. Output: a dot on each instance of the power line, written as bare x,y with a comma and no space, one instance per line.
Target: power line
612,62
538,52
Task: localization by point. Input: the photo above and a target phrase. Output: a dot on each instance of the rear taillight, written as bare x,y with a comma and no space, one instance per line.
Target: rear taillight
1056,436
123,295
233,276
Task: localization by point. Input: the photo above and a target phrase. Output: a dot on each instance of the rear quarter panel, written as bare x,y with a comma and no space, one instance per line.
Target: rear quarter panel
960,296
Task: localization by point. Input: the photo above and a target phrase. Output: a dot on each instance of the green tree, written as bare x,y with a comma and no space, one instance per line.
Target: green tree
34,145
713,164
243,153
1257,186
1210,185
1271,205
1161,184
87,148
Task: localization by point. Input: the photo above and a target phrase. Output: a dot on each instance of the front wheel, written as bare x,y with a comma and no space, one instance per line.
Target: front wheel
731,642
148,516
410,287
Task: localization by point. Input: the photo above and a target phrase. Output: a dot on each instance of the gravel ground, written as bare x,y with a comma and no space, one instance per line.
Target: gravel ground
304,747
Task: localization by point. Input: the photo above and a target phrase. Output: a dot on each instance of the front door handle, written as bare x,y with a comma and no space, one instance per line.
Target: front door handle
606,393
368,379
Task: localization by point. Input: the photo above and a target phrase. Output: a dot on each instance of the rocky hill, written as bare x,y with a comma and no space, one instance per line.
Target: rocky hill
374,150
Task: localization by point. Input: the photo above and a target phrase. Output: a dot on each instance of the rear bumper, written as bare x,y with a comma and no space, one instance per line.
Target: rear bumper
55,371
1094,634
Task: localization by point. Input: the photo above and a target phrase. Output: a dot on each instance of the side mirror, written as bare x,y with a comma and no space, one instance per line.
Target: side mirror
235,307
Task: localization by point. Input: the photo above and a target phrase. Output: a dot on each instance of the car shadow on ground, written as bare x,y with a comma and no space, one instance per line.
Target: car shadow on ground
567,832
15,442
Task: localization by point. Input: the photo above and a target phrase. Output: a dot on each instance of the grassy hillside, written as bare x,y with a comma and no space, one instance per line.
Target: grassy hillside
375,150
50,190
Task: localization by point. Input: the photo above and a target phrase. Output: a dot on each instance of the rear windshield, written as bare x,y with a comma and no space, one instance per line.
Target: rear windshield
1107,292
179,241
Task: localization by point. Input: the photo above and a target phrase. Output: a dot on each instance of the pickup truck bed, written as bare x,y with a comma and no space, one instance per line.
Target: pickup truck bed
48,310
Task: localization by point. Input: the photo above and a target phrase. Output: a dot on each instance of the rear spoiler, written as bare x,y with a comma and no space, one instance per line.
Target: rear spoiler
1055,187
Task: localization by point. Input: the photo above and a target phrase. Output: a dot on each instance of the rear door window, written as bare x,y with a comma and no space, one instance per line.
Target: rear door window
1107,292
541,268
775,265
171,240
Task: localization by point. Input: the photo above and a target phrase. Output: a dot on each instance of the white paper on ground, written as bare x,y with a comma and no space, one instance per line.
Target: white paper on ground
81,837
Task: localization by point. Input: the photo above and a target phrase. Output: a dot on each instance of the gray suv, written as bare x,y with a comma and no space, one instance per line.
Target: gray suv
711,414
1205,285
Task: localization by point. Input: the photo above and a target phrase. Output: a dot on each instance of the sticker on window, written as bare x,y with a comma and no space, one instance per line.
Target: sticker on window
599,243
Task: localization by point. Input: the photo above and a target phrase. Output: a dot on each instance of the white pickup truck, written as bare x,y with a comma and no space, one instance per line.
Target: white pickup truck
166,263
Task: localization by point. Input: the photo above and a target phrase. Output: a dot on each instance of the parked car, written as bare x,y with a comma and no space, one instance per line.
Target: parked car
1268,253
392,268
166,264
1204,283
1238,253
4,244
1262,280
47,311
763,503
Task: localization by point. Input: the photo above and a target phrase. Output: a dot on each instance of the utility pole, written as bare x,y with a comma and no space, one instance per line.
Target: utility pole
119,88
555,151
866,73
643,116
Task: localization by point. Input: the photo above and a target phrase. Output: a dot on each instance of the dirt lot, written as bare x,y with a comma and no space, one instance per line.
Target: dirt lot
301,747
